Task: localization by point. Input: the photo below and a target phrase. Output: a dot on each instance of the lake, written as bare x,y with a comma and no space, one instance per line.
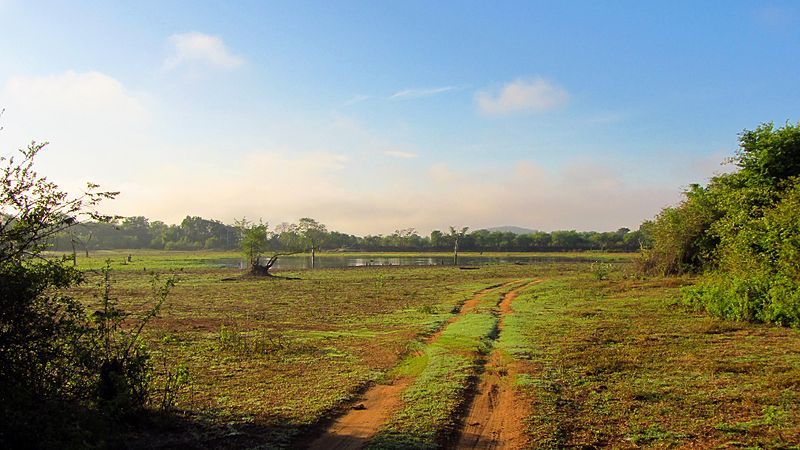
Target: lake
295,262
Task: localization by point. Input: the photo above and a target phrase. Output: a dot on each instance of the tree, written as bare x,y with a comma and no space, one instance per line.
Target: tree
455,236
255,240
51,352
436,239
312,234
740,232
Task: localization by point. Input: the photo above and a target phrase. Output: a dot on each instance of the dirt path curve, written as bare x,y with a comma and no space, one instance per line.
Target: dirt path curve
354,428
494,421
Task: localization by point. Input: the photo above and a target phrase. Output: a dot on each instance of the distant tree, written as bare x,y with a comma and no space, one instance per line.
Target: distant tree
312,234
137,230
436,239
523,242
255,241
456,235
82,235
541,240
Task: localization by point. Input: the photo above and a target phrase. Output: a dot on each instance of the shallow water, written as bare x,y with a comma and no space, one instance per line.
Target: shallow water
304,262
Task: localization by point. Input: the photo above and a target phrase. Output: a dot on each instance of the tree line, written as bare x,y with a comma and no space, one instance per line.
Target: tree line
197,233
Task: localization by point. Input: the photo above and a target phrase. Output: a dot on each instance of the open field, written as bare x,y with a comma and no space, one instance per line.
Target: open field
582,362
175,260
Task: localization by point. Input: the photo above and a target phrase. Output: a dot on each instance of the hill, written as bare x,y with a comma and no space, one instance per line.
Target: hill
513,229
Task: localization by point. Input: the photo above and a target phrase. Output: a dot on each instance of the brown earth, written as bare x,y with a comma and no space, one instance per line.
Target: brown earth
494,419
354,428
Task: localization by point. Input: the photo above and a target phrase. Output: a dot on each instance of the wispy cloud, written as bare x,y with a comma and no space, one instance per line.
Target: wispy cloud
408,94
536,95
356,99
400,154
200,49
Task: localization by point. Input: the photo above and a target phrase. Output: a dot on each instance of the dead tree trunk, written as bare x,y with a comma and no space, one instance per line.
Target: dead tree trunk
263,269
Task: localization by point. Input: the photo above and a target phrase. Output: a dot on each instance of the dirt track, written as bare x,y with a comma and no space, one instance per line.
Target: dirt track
352,430
494,421
491,411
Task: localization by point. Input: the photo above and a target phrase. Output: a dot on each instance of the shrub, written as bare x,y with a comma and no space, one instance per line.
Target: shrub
63,374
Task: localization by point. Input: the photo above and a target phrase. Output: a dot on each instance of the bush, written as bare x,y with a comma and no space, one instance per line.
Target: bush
124,368
63,374
742,231
755,298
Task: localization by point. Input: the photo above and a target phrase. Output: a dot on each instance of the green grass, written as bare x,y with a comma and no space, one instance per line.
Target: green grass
444,372
619,363
177,259
271,357
614,362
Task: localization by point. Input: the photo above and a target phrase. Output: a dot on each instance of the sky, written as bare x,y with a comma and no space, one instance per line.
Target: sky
373,116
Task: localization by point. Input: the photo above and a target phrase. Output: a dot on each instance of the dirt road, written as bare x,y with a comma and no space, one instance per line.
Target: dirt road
354,428
494,420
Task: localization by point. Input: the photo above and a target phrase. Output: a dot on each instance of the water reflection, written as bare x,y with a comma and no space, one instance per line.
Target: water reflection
304,262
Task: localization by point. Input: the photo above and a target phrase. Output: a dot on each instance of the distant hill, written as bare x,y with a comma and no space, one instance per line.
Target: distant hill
515,230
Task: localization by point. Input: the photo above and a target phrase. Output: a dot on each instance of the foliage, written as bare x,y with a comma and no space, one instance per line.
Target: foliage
33,209
742,231
196,233
680,236
311,232
123,359
253,239
56,363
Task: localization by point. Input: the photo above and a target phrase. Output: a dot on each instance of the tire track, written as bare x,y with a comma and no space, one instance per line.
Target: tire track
354,428
493,421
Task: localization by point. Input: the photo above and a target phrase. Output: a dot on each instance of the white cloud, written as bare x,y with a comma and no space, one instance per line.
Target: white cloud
400,154
193,49
535,95
72,93
407,94
96,125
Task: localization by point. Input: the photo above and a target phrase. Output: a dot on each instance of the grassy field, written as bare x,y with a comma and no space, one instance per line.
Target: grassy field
176,260
619,363
612,362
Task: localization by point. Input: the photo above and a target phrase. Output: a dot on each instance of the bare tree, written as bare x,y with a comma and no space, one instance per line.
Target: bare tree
456,235
312,234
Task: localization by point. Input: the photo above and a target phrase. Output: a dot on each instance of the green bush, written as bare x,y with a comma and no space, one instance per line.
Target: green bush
755,298
741,232
64,376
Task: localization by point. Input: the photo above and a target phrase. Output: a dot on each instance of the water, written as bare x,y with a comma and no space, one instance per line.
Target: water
295,262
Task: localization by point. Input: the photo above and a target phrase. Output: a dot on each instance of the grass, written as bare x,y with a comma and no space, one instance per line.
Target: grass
269,358
446,370
599,361
176,260
617,363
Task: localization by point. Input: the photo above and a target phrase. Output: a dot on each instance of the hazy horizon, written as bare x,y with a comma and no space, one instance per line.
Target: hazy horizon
372,118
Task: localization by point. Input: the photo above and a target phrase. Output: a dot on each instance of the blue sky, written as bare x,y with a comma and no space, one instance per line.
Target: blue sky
375,116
